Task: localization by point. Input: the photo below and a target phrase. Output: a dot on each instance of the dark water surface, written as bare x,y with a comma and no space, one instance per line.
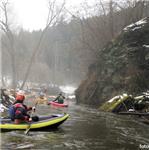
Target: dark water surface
86,129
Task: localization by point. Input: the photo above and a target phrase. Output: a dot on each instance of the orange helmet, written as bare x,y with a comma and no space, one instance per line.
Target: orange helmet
20,96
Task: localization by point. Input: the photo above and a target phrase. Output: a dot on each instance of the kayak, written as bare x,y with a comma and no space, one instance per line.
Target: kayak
44,123
57,104
118,103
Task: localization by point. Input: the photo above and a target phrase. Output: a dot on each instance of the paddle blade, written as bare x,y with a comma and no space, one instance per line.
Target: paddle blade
27,130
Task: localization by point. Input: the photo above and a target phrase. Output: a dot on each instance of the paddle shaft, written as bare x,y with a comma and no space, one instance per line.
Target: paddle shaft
29,126
27,130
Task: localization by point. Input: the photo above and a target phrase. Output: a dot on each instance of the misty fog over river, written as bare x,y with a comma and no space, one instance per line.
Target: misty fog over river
87,50
86,129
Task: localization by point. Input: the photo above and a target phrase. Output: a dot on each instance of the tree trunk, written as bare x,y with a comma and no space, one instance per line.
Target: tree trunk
111,20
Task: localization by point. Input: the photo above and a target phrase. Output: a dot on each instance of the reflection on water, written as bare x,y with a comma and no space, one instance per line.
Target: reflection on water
86,129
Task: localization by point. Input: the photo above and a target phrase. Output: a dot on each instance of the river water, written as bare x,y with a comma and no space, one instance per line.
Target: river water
86,129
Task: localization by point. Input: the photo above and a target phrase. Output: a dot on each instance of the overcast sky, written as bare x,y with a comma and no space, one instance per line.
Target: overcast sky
32,14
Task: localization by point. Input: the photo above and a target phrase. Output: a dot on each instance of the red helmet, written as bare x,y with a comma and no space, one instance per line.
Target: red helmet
20,96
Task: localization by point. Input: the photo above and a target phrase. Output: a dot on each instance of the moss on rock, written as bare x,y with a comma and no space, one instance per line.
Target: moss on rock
122,67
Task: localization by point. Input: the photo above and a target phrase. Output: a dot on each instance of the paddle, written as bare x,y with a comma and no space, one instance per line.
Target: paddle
29,125
27,130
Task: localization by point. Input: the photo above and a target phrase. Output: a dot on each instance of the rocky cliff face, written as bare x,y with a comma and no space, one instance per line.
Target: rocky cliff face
123,66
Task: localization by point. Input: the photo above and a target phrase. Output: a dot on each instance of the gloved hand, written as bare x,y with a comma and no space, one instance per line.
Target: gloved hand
34,108
30,119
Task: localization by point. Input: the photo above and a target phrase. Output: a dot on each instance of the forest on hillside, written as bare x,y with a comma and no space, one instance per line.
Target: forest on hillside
62,52
78,82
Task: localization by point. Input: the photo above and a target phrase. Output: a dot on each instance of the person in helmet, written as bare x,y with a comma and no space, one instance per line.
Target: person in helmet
18,111
59,99
41,99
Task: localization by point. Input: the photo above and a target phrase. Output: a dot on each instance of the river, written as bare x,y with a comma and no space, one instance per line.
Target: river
86,129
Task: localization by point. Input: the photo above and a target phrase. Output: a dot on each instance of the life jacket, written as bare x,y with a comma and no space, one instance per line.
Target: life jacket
19,105
12,110
60,100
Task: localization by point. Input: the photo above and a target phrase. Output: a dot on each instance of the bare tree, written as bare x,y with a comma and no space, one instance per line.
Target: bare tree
111,22
52,19
0,63
11,48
